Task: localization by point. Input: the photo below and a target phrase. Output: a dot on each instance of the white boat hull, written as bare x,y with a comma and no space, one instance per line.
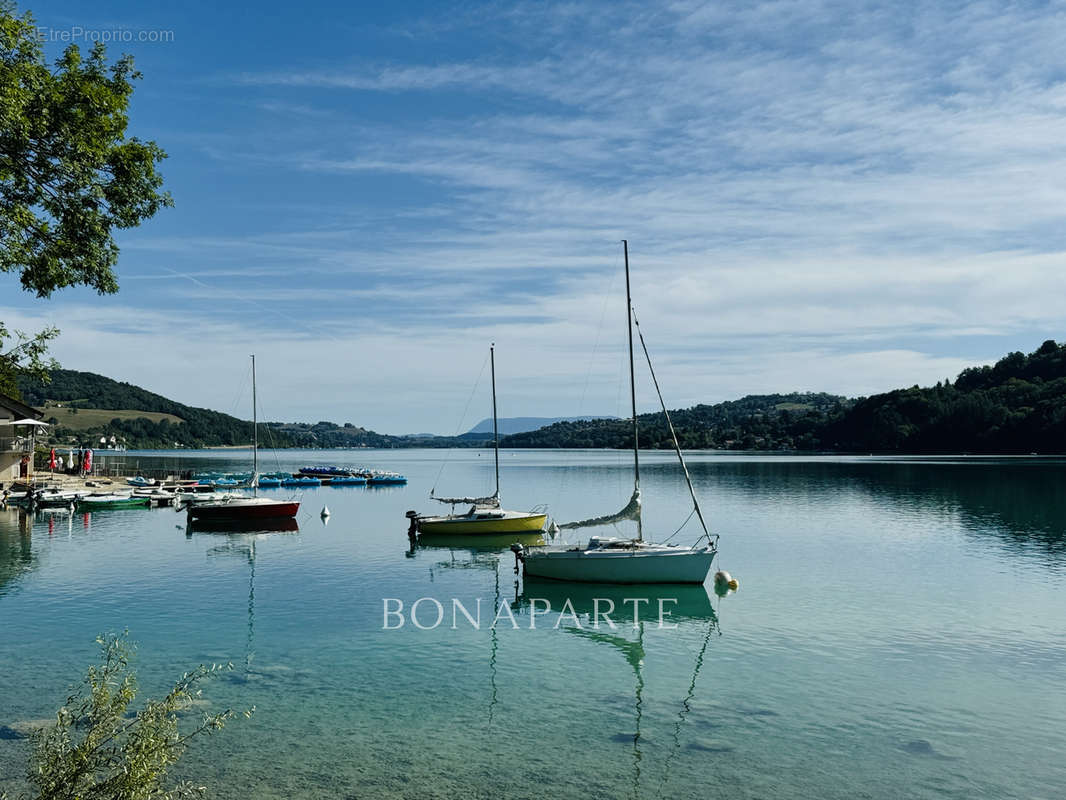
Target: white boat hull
643,563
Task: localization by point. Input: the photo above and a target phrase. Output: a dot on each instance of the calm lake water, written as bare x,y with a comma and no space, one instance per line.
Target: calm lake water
900,631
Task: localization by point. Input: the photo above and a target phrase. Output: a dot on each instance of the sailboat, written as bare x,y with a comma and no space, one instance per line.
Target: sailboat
485,515
238,508
621,560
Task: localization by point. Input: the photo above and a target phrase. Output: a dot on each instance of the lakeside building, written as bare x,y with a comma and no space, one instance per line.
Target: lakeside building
16,446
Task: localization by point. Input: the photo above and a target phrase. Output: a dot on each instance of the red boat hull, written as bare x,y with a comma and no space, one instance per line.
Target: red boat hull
237,512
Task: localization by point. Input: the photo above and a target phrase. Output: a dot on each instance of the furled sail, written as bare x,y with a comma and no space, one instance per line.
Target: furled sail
631,511
492,501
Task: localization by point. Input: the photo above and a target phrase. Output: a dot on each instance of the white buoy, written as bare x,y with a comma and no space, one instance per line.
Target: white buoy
721,576
325,511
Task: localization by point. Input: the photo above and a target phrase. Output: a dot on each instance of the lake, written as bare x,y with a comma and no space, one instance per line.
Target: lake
898,631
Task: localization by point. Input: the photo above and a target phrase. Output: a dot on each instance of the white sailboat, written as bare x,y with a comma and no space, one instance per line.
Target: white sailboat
621,560
484,515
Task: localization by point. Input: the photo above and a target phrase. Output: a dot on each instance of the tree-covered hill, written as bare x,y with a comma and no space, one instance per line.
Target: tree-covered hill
1017,405
198,427
755,422
167,424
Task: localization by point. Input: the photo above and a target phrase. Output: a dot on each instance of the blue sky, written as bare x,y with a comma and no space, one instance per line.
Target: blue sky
846,197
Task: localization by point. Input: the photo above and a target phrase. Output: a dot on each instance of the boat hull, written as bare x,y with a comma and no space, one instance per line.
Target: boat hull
241,511
468,526
655,565
88,504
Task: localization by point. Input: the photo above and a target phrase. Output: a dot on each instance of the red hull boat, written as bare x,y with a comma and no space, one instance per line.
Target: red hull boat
244,508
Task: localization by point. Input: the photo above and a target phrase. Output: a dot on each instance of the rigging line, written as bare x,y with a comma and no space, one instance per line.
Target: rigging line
459,427
240,393
673,434
686,704
270,436
683,524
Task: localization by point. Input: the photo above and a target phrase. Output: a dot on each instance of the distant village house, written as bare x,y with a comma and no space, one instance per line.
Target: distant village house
16,449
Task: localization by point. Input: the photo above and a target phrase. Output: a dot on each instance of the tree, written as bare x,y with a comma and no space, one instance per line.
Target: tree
27,356
68,174
98,750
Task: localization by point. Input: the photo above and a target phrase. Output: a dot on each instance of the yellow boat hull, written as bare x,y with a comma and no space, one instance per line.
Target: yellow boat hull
469,527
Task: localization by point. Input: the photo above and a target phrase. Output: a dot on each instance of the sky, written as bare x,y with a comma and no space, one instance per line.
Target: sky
818,196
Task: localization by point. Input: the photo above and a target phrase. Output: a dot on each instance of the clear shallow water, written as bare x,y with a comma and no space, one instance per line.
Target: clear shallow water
899,631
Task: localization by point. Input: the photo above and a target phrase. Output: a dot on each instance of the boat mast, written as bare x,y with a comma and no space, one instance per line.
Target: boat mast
255,436
495,429
632,382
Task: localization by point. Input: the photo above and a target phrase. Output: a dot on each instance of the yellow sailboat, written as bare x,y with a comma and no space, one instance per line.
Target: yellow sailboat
484,516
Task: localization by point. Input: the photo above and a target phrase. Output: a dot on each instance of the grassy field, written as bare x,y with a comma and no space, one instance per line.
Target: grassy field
94,417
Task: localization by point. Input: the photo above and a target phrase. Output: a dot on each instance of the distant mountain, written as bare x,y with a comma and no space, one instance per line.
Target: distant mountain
509,425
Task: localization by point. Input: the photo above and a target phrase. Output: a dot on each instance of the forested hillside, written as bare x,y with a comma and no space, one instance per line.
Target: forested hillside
1016,406
199,427
755,422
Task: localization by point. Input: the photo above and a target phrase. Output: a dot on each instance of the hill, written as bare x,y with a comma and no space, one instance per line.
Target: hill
84,406
509,425
755,422
1017,405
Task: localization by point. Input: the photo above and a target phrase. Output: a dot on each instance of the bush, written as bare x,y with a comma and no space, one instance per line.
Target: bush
98,750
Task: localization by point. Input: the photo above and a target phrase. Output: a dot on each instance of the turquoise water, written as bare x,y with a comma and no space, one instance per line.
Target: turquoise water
898,631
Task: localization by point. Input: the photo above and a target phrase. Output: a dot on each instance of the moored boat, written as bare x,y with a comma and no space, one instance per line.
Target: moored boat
485,515
96,502
242,507
233,507
618,560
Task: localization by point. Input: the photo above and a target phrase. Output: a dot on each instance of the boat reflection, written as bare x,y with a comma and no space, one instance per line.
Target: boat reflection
477,548
629,604
238,539
632,608
275,525
481,541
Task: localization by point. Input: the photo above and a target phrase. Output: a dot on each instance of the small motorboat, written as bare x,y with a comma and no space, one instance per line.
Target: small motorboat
96,502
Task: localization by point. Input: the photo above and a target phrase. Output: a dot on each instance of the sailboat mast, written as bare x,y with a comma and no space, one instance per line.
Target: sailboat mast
632,380
495,428
255,433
